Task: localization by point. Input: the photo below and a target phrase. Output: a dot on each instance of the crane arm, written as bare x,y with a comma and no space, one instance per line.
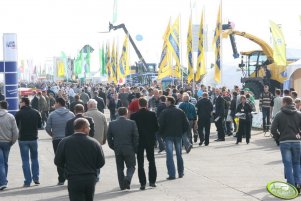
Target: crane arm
122,26
266,48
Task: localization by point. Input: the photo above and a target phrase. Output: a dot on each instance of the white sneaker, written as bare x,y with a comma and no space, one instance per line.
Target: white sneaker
3,187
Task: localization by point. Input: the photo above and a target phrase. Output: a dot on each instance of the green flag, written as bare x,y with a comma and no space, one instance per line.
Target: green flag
87,66
102,61
78,64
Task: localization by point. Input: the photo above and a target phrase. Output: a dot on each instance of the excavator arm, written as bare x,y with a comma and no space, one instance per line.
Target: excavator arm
122,26
267,50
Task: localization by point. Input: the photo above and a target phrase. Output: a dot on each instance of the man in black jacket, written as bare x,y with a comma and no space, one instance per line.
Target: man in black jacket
219,115
28,121
204,112
78,110
76,101
147,124
81,156
123,138
100,102
173,124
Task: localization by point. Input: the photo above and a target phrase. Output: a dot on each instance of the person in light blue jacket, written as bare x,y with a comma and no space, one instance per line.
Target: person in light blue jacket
56,124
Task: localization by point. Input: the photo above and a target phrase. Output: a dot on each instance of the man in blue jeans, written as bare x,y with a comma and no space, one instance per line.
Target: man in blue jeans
286,130
29,121
8,136
173,124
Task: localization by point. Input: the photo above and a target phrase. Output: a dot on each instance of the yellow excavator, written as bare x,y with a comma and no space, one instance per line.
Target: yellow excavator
253,63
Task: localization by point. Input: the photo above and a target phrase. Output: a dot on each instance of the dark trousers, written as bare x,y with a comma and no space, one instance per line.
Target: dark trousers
130,161
81,188
60,171
160,141
220,128
204,124
266,118
244,129
152,171
44,115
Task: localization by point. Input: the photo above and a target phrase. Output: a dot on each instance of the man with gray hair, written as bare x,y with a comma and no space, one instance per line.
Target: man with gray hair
100,124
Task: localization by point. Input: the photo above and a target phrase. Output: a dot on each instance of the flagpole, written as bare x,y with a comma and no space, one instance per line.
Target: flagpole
221,47
180,40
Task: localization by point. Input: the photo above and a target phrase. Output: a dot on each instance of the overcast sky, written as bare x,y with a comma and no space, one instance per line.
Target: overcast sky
47,27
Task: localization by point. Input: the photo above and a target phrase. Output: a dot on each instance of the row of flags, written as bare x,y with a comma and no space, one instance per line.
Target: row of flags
169,64
117,68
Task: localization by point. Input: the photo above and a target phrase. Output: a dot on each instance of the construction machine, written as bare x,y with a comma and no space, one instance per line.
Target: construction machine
142,68
253,63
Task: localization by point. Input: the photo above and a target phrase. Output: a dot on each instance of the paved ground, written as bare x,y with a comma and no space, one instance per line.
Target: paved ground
221,171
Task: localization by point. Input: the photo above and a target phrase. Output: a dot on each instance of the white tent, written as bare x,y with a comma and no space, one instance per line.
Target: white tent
293,73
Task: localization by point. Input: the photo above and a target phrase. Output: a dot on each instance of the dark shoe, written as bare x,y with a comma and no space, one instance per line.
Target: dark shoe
219,140
37,182
161,150
229,134
181,175
188,149
153,185
195,138
142,187
127,184
236,142
123,188
201,143
206,144
26,185
3,187
170,178
60,183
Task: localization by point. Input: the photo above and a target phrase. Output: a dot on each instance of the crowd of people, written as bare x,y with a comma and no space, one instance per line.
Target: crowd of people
142,118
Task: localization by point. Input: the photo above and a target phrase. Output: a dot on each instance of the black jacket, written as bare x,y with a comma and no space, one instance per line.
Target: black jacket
35,103
147,124
103,96
220,107
28,121
173,122
233,106
204,109
74,103
287,124
100,103
69,130
246,108
160,108
80,155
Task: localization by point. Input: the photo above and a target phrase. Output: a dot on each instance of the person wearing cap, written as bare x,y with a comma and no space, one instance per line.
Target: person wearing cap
8,136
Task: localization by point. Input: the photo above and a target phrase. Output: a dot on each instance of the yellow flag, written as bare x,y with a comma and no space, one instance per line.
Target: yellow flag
217,46
60,68
201,65
189,53
165,69
279,50
173,45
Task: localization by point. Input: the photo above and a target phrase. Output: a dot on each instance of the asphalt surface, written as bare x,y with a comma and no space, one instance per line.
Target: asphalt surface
222,171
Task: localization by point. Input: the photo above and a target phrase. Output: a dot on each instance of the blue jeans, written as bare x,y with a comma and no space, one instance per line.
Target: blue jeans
4,152
169,143
291,153
25,148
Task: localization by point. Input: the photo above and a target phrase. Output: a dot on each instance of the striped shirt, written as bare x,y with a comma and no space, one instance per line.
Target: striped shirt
266,99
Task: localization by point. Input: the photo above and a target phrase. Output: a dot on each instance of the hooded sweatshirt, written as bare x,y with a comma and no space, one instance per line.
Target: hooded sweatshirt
287,124
56,122
8,127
